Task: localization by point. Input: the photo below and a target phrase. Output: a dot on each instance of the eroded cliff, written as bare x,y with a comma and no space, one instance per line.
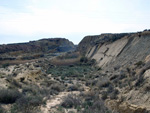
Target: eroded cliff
116,49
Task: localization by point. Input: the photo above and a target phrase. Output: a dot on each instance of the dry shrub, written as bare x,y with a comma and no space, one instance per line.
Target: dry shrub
140,79
103,83
98,106
8,96
71,101
113,77
16,53
57,87
15,62
145,33
146,88
27,104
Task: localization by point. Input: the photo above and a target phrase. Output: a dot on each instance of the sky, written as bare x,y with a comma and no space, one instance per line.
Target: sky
28,20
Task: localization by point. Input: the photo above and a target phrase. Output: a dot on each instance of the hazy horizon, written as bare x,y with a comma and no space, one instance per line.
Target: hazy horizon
28,20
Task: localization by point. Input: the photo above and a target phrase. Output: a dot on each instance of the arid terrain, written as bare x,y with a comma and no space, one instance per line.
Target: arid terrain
107,73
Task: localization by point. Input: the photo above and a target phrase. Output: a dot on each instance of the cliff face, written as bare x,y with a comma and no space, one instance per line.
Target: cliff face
44,45
90,41
116,49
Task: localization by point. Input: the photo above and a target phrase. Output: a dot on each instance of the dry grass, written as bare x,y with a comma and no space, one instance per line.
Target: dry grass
16,53
15,62
64,62
66,59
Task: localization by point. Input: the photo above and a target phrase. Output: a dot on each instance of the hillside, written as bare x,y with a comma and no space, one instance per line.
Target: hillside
116,49
124,60
25,52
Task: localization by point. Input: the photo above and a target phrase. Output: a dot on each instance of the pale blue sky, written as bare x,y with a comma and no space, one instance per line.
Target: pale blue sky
27,20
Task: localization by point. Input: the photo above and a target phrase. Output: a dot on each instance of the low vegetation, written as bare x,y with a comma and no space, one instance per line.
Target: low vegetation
85,103
27,104
67,73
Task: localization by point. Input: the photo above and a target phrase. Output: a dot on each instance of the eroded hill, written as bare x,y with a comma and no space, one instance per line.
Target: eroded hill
124,59
25,52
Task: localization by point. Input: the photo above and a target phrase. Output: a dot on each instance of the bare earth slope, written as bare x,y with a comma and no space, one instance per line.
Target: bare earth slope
119,48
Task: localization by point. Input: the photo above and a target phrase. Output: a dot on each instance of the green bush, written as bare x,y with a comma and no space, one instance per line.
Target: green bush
8,96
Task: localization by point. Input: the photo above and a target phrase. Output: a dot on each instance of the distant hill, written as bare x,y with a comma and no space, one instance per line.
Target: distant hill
44,45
